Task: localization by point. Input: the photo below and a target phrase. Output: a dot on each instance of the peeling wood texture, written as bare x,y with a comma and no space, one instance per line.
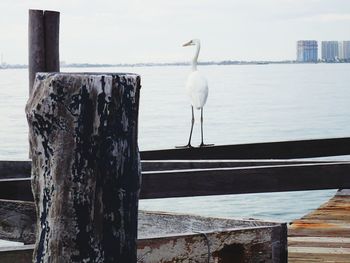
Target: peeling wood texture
165,237
324,234
179,238
85,166
17,221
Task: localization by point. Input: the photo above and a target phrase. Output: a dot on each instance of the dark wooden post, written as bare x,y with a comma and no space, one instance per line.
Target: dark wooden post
36,45
43,43
52,28
85,166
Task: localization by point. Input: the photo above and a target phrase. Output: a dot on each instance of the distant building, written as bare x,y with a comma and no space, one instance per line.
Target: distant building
344,50
307,51
340,50
330,51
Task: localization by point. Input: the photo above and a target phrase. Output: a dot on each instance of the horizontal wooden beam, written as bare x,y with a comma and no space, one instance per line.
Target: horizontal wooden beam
220,181
19,254
21,169
245,180
16,189
164,165
13,169
267,150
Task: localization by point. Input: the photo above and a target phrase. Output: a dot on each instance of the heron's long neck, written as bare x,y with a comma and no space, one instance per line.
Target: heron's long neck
195,58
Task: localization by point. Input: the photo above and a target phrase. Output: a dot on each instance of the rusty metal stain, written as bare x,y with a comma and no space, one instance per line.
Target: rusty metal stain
313,225
330,220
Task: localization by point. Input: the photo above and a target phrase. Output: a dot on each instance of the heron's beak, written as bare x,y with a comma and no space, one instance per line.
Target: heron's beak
188,44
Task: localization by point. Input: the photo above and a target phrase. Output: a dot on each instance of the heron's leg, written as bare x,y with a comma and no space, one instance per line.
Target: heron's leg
202,126
192,123
202,143
188,145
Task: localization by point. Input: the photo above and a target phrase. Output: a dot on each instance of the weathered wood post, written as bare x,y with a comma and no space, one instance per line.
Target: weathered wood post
43,43
52,33
36,45
85,166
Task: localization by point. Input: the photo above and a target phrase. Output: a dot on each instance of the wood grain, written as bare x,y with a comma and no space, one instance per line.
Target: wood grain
219,181
324,234
266,150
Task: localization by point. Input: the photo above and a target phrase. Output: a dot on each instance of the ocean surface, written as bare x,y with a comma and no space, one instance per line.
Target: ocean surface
246,103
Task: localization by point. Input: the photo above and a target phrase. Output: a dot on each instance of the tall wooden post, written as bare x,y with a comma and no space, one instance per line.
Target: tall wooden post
85,166
52,28
43,43
36,45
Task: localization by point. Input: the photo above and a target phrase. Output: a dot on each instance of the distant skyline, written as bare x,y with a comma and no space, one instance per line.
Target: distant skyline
136,31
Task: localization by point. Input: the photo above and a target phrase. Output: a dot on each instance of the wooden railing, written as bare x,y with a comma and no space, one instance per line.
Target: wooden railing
267,150
210,171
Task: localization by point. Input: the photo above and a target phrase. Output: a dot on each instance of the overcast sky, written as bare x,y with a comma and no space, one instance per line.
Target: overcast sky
130,31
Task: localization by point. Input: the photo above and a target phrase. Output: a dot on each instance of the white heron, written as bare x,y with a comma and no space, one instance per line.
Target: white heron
197,89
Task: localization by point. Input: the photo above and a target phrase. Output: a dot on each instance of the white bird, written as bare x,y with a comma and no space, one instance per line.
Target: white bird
197,89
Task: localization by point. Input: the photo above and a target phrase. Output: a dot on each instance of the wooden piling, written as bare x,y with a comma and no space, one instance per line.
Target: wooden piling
36,45
85,166
52,27
43,43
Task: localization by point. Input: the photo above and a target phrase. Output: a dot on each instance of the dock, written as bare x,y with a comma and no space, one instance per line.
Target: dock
323,235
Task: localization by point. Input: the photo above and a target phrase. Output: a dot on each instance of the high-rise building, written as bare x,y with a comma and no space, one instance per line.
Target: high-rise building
330,51
340,50
307,51
344,50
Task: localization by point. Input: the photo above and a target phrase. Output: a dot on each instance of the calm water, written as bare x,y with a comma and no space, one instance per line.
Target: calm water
252,103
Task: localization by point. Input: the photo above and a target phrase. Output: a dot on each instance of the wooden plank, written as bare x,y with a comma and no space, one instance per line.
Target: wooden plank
7,243
320,223
199,182
22,169
320,232
268,150
16,189
163,165
319,255
21,254
15,169
324,234
310,241
245,180
319,250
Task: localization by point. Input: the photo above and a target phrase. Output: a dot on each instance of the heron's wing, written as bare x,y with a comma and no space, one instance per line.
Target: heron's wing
197,88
